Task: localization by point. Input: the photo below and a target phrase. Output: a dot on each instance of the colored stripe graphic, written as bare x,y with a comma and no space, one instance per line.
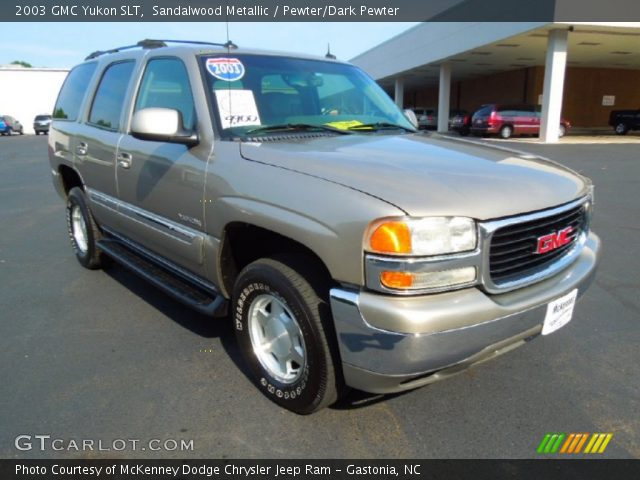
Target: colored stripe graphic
572,443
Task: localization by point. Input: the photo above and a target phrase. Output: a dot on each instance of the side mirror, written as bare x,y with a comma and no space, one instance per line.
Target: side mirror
161,125
411,116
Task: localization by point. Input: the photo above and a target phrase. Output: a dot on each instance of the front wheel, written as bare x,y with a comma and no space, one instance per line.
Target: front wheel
621,129
284,330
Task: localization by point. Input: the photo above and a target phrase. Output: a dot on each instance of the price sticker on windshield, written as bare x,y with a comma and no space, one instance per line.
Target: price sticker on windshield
237,108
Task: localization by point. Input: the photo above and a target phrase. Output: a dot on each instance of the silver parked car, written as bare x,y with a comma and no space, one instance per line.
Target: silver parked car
427,117
41,124
288,195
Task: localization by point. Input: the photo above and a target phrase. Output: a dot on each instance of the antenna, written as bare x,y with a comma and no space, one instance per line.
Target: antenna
329,54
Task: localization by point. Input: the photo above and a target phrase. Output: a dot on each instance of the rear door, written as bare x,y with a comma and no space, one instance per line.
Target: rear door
161,184
98,137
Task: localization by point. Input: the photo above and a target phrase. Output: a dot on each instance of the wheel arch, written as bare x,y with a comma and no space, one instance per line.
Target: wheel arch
69,178
242,243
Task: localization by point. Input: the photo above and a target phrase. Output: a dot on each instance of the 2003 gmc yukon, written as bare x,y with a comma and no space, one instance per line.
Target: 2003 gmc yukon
290,193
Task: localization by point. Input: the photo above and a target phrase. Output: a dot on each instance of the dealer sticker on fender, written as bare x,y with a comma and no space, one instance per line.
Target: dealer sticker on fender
559,312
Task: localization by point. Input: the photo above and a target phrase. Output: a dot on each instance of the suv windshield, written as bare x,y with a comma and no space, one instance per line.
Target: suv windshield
40,118
255,94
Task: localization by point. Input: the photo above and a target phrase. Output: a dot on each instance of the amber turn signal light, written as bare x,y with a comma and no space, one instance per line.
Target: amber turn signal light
396,279
391,237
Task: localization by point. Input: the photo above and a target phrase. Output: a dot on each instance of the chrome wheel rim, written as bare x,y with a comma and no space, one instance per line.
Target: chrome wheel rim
79,229
276,338
620,128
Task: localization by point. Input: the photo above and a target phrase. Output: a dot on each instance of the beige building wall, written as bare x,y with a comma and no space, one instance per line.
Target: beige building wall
27,92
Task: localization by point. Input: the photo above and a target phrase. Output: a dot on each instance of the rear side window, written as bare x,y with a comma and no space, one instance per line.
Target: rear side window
108,101
72,92
166,85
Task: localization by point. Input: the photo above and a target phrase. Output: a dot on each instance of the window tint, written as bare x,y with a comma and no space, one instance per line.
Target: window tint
166,85
484,112
109,98
72,92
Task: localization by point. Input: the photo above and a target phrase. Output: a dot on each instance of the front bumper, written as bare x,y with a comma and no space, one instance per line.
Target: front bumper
389,344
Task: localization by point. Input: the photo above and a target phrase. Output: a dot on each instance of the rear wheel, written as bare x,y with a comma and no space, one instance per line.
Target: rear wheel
284,330
621,129
506,131
83,231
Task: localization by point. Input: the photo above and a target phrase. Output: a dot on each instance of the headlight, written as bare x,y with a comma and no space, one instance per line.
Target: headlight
421,236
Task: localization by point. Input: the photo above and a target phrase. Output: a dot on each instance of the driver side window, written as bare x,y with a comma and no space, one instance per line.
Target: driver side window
166,85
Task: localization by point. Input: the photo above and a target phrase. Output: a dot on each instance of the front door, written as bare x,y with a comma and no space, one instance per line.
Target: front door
161,184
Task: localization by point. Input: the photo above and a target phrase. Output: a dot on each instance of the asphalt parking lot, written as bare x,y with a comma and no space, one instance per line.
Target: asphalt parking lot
101,355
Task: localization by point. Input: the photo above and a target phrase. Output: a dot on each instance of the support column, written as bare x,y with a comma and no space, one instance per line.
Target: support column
399,92
553,89
444,93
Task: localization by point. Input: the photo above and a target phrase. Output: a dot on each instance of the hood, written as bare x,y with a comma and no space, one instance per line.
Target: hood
424,175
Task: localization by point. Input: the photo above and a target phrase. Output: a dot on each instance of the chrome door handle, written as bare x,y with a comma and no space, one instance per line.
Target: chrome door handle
124,160
81,149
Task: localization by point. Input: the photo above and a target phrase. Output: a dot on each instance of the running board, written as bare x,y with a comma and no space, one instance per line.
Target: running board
203,301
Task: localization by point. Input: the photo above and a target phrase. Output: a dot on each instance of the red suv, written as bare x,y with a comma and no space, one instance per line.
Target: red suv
508,120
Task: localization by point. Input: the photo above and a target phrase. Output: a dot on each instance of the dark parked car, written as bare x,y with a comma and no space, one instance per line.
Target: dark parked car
11,125
41,124
508,120
624,120
461,123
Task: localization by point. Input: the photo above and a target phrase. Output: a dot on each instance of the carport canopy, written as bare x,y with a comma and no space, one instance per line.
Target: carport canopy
435,54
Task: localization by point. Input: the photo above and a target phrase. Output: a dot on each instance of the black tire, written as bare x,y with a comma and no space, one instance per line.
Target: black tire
621,128
22,131
90,256
293,281
464,131
506,132
37,133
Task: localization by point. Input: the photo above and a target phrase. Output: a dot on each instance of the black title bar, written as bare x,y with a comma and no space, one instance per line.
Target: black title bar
319,10
318,469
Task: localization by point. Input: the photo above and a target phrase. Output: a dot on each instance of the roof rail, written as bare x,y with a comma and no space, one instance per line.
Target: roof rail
141,44
152,43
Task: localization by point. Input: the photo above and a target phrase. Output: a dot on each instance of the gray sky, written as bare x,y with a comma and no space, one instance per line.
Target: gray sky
66,44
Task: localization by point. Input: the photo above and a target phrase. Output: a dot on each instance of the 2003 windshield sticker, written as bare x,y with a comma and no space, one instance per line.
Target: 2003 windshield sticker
228,69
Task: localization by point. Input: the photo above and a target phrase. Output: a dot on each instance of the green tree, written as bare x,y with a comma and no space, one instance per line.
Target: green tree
21,62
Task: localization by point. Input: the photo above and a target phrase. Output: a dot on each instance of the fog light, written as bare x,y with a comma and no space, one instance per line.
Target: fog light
427,280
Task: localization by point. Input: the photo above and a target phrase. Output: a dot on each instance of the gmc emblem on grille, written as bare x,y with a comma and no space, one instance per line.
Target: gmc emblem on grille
554,240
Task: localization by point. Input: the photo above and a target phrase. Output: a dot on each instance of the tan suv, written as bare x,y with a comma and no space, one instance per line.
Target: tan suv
289,195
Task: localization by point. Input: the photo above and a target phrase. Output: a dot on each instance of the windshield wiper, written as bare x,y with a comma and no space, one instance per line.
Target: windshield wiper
305,127
380,126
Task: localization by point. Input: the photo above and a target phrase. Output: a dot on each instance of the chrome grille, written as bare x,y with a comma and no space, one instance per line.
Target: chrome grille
512,254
